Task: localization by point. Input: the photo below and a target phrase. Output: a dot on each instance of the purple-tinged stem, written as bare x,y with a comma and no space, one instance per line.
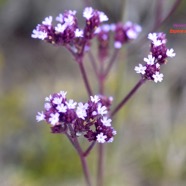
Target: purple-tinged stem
101,78
70,139
85,79
129,95
85,170
159,4
172,10
100,165
83,162
93,62
111,62
73,139
89,149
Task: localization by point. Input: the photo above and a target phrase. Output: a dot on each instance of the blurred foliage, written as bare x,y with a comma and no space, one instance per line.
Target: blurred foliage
10,109
2,2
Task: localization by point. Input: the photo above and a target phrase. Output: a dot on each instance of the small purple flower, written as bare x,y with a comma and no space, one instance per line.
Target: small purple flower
40,116
157,77
106,121
101,110
78,33
37,34
103,17
54,118
71,104
150,60
140,69
47,21
101,138
81,110
59,18
60,28
57,100
61,108
88,12
95,98
170,53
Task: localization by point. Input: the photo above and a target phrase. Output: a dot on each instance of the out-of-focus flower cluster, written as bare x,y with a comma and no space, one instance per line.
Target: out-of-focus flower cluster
157,57
89,119
123,33
67,32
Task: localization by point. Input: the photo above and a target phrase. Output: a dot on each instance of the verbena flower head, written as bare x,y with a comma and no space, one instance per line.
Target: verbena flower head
125,32
103,37
67,29
157,57
93,20
66,32
89,119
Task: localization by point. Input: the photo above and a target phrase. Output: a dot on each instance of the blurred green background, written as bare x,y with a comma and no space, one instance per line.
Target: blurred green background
150,147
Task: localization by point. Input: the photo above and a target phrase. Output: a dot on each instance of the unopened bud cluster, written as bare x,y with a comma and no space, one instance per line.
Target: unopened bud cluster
123,33
89,119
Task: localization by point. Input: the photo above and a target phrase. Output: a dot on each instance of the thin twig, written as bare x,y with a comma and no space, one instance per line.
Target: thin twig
158,12
93,62
70,139
111,62
172,10
100,165
89,149
129,95
85,79
83,162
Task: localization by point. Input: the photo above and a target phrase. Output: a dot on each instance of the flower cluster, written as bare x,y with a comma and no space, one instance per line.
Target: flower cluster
103,37
89,119
123,33
157,57
67,32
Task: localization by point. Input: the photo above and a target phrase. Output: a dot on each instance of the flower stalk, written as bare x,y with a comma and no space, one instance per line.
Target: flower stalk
129,95
85,79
